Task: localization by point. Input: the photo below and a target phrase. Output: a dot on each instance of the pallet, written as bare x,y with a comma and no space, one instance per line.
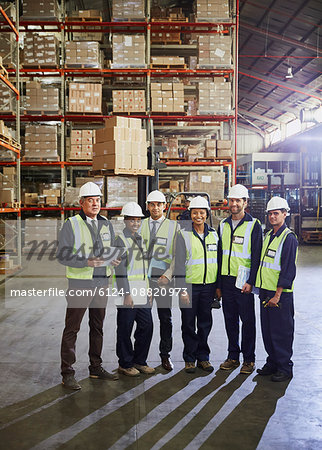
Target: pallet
14,205
168,19
130,19
131,66
167,41
38,159
168,66
312,237
80,160
172,159
80,114
41,66
9,140
167,113
84,19
134,172
130,113
82,66
42,112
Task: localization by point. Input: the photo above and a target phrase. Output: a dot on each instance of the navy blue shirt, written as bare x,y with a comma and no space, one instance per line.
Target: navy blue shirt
288,258
256,246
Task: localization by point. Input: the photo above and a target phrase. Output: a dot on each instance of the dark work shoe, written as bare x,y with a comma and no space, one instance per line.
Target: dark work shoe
216,304
190,367
205,365
229,364
166,363
69,382
280,376
102,374
265,371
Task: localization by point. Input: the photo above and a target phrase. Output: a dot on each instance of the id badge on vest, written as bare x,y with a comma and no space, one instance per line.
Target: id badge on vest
238,240
271,253
211,247
106,236
161,241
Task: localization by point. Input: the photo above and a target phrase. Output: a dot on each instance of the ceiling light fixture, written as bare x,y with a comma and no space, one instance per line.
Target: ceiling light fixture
289,72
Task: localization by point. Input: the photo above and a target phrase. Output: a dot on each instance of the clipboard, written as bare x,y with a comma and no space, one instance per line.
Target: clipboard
242,277
111,254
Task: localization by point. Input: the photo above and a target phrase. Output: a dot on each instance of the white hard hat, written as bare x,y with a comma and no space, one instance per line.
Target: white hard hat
199,202
238,191
156,196
132,209
277,203
90,189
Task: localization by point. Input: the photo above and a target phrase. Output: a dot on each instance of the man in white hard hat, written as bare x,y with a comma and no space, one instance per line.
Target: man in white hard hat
240,244
186,213
82,241
159,235
133,286
275,279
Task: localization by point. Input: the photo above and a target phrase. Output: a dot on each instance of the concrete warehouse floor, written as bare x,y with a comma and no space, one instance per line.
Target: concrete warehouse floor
168,410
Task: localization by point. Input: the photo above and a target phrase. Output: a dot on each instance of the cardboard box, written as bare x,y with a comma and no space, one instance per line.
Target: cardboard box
112,148
31,198
116,121
110,134
223,153
223,144
112,161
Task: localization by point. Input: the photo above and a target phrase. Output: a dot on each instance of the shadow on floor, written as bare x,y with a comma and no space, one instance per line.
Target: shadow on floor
165,410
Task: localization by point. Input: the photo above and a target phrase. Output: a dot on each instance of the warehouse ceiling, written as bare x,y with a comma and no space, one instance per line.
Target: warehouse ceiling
277,38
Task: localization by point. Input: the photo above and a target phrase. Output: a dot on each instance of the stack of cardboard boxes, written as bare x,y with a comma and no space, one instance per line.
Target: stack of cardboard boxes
52,196
211,10
120,145
214,50
130,10
129,101
215,96
7,186
211,182
7,102
41,142
81,145
128,50
41,229
172,147
163,36
167,97
85,98
93,14
40,50
43,9
224,149
121,190
7,48
167,61
39,98
210,148
83,54
191,152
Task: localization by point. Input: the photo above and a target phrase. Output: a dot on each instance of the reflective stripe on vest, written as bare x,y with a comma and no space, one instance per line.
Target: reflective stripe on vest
136,268
270,265
195,258
239,254
164,253
83,243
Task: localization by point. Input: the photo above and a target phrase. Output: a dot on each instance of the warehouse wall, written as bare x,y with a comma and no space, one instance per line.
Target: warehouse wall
248,142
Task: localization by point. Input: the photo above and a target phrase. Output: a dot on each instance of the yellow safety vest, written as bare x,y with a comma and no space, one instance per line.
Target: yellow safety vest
83,245
136,268
201,263
270,264
236,252
163,248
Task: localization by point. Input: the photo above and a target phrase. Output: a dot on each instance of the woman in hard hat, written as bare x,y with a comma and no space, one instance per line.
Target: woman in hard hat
196,251
132,283
275,279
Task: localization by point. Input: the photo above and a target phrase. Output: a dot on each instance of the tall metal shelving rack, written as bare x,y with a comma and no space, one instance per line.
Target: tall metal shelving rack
14,146
146,27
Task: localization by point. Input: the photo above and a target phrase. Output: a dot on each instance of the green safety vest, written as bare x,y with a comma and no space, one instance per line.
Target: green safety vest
237,252
163,248
270,265
136,269
83,240
197,262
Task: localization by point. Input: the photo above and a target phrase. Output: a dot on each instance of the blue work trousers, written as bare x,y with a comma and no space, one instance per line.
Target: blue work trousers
128,353
278,331
197,323
238,306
